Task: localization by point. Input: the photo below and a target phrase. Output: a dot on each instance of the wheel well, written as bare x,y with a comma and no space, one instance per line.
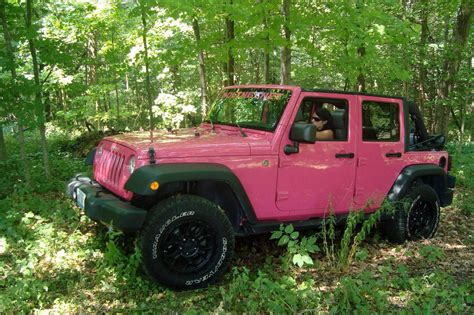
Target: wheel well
222,194
437,182
217,192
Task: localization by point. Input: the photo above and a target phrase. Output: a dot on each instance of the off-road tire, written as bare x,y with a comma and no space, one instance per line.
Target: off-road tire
187,242
416,216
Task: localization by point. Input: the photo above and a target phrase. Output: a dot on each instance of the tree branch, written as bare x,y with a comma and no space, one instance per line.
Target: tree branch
49,74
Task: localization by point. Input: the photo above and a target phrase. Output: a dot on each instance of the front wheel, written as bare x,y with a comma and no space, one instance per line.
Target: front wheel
186,243
417,217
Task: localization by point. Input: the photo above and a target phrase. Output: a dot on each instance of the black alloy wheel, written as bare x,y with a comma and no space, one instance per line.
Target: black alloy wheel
417,216
422,219
187,242
188,246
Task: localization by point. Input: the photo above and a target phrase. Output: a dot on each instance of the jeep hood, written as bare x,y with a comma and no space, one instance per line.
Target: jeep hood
199,142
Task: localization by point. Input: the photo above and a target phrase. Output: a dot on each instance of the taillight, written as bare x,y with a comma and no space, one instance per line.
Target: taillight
442,162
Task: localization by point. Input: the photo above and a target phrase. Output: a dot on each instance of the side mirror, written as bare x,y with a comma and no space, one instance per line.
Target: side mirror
300,132
303,132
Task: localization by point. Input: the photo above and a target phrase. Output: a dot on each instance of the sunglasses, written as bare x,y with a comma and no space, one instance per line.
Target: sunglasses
316,118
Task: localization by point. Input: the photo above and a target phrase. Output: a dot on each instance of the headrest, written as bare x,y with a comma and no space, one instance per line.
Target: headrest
299,115
338,119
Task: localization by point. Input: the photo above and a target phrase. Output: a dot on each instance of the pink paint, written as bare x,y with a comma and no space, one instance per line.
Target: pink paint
279,186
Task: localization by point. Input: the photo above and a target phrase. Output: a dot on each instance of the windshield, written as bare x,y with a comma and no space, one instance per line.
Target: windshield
250,108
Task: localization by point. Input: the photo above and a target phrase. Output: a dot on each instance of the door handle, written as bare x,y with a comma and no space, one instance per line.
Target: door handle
344,155
393,154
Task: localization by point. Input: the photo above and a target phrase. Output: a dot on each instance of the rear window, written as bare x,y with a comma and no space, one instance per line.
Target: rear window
380,121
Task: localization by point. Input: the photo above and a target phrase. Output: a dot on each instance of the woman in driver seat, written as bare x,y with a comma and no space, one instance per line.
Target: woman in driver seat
322,119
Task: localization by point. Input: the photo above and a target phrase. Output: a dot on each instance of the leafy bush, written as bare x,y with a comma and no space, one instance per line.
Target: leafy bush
299,249
463,169
268,292
54,259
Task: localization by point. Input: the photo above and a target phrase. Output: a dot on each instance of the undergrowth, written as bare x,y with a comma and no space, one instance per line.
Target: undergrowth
53,258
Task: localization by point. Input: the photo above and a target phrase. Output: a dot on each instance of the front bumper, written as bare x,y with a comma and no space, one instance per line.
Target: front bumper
102,206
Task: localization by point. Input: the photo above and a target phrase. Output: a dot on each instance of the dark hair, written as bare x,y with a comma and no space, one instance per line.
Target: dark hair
324,114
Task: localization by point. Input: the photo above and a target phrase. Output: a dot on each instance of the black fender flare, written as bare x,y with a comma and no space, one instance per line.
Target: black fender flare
410,173
89,160
140,180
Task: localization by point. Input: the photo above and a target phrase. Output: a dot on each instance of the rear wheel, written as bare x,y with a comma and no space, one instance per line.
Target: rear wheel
187,242
417,216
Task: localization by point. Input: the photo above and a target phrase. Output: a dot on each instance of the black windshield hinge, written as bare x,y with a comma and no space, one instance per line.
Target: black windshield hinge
151,154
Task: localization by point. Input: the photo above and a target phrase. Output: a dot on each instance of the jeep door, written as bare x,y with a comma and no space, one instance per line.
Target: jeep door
322,174
380,148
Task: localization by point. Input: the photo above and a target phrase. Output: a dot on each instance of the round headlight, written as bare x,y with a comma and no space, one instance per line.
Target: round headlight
131,164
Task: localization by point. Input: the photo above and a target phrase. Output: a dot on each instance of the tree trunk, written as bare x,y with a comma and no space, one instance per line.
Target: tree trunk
465,108
202,68
255,61
11,59
3,148
230,36
266,68
285,60
62,95
266,51
39,106
422,53
147,69
361,77
117,101
453,59
47,105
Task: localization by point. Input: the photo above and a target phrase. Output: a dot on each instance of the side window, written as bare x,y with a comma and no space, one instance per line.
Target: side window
338,110
380,121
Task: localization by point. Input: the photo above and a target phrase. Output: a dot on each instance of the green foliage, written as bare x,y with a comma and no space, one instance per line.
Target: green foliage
53,258
356,230
268,291
353,236
92,56
431,253
299,249
328,235
343,259
463,169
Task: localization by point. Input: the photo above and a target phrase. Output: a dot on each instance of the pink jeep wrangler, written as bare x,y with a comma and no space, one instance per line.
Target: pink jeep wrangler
255,164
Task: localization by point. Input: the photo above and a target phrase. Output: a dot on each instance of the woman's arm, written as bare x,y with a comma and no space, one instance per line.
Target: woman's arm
327,134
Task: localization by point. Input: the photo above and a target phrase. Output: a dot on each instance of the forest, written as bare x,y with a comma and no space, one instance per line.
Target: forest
74,71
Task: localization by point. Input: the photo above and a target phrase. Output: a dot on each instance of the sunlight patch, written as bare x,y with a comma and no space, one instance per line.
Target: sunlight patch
3,245
453,246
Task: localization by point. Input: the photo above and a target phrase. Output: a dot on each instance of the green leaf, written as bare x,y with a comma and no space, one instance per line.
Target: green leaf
276,235
298,260
361,254
289,229
307,260
312,248
295,235
283,240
